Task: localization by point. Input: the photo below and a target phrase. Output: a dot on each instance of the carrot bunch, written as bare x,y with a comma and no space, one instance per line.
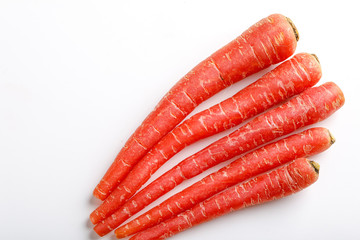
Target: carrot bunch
273,171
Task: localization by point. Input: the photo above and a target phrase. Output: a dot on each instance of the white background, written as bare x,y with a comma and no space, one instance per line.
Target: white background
78,77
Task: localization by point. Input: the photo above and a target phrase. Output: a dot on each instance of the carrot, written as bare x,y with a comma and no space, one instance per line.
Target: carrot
300,145
274,185
311,106
288,79
270,41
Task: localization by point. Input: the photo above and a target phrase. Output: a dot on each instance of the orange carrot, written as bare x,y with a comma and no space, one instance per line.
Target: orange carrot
305,144
277,184
270,41
288,79
311,106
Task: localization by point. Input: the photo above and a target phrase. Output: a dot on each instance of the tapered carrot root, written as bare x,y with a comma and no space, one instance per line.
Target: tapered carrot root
305,144
274,185
311,106
288,79
270,41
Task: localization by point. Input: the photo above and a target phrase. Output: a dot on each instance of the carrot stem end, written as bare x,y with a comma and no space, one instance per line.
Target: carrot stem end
296,32
316,166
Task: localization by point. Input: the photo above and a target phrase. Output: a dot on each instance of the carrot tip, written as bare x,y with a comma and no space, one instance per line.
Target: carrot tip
120,234
316,166
296,32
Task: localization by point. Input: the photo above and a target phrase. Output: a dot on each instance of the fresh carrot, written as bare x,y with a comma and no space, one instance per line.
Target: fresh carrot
311,106
288,79
270,41
274,185
300,145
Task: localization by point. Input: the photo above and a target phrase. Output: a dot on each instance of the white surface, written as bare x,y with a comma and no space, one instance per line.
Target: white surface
78,77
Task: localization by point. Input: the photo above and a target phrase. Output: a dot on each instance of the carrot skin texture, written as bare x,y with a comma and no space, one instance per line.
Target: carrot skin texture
305,144
274,185
267,42
311,106
288,79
